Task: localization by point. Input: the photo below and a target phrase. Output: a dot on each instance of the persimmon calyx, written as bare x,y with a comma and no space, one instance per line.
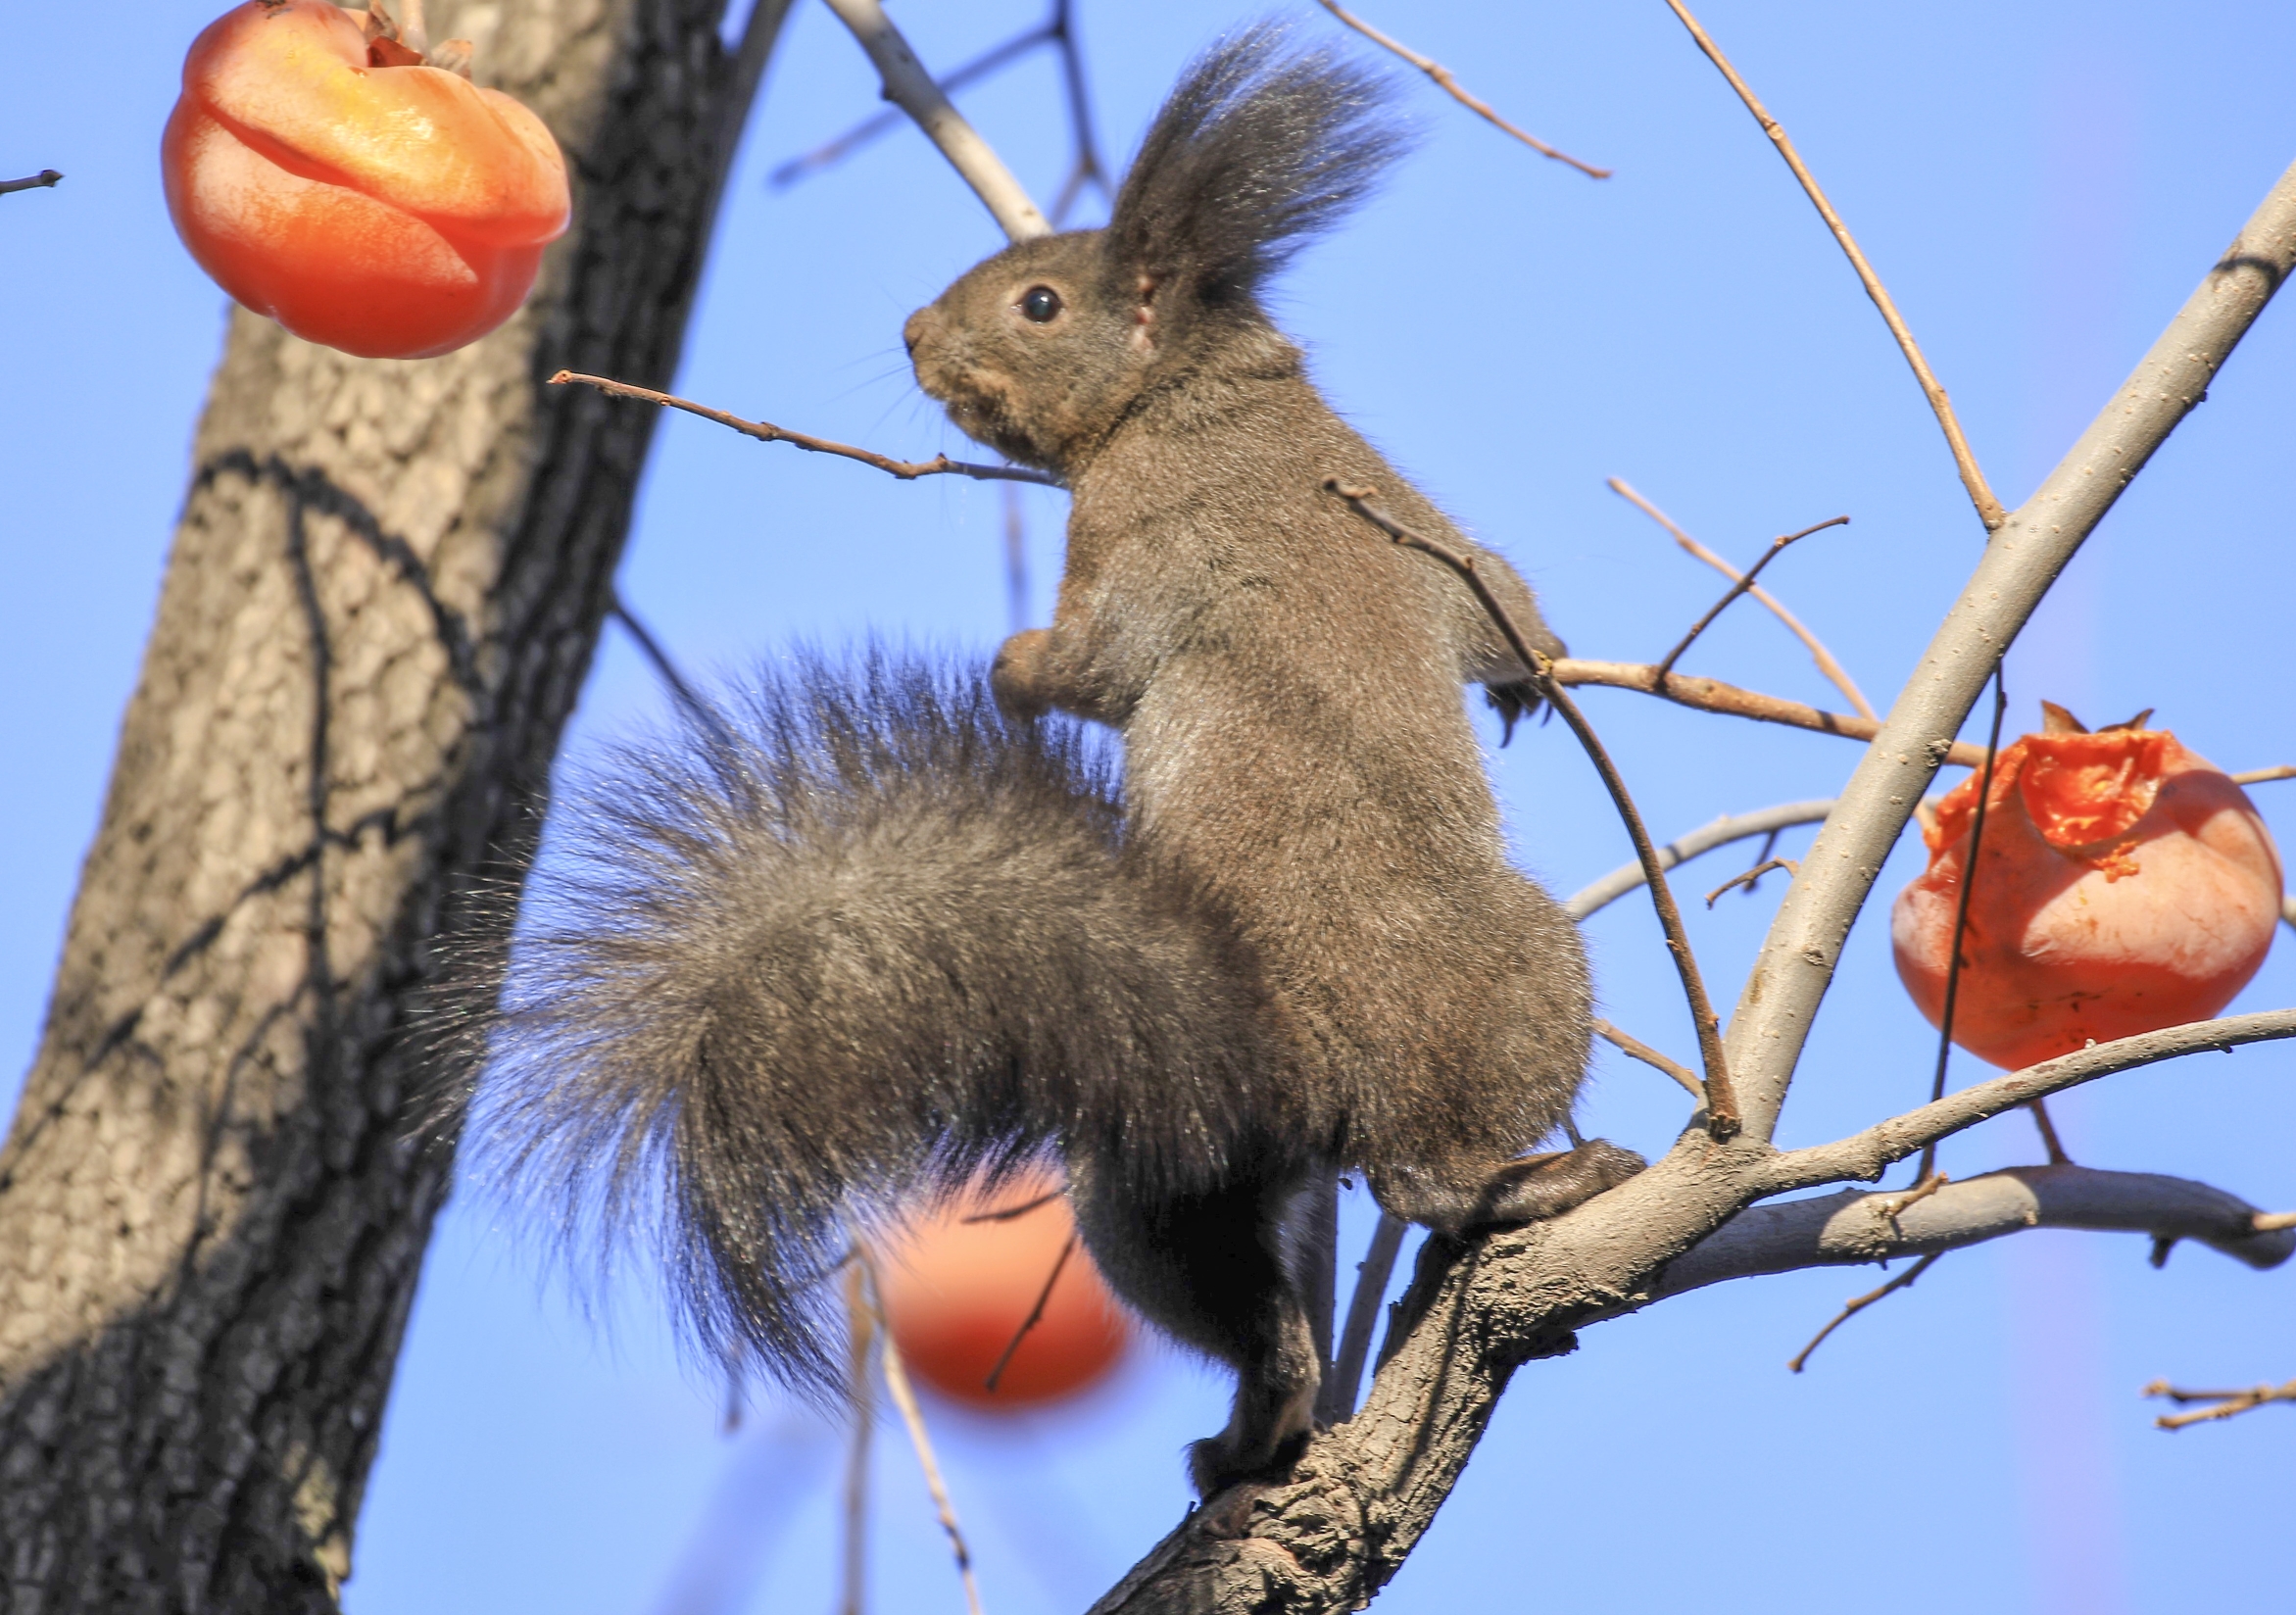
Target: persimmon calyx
391,45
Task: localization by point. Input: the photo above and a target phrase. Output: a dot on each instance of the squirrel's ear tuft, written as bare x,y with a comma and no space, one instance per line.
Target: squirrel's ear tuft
1258,148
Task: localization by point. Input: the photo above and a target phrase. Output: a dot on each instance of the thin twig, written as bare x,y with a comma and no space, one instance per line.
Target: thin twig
1827,664
832,152
1747,877
1989,510
666,670
764,431
1335,1404
1869,1153
1450,86
2228,1402
1896,1205
1036,1315
1593,897
30,181
1009,1213
1086,169
2260,776
904,1397
1722,1114
910,88
1903,1281
1628,1044
2049,1139
1711,694
1969,883
861,1337
1746,581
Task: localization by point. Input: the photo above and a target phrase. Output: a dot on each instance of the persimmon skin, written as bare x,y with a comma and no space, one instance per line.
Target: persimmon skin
392,212
2124,884
955,1292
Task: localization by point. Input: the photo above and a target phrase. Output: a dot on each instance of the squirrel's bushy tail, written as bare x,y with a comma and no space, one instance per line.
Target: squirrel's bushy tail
844,943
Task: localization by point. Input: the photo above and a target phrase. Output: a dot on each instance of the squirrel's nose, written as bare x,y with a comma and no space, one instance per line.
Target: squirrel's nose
913,332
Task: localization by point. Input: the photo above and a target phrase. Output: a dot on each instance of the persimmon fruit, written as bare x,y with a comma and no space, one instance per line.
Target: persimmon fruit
955,1292
394,212
2122,884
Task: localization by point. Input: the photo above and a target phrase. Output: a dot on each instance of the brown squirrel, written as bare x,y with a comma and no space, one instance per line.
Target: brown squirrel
877,933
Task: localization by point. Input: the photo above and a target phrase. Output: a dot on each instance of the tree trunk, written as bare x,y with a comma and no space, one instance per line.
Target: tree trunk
382,598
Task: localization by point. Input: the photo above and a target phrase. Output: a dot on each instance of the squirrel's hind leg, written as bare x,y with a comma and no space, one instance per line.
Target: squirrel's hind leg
1452,1197
1206,1268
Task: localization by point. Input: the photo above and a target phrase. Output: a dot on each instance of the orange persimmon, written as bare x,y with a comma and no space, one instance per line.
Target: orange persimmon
391,211
2123,885
957,1292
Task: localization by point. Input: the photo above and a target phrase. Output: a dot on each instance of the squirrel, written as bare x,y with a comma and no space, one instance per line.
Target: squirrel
881,929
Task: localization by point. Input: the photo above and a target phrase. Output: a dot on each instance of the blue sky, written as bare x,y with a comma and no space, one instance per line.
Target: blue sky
2040,183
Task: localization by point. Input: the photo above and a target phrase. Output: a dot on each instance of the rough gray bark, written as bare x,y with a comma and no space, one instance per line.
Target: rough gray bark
383,595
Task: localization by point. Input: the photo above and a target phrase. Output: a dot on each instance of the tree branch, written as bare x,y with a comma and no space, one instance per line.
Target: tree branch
1835,673
1791,976
1855,1226
908,86
30,181
1711,694
1330,1535
764,431
1989,507
1450,86
1722,1108
1767,821
1865,1155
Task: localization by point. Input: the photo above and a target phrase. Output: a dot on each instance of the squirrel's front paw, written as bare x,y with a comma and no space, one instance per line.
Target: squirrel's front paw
1015,677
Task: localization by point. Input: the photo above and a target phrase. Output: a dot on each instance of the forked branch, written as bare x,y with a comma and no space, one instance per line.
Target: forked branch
908,86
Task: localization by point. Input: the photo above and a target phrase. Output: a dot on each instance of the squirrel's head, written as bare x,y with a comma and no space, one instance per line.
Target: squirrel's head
1044,349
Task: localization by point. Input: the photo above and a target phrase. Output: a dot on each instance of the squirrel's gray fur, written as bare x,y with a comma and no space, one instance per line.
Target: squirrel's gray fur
881,933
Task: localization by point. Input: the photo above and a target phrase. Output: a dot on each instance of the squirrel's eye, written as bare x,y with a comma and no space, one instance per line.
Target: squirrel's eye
1038,304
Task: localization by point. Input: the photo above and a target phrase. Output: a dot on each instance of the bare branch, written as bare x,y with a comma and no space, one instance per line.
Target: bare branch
1450,86
1865,1154
1796,963
1636,1047
764,431
1859,1226
1036,1313
1748,877
1827,664
906,1398
1740,586
2262,776
1327,1538
1858,1304
908,86
2228,1402
1766,821
1989,507
31,183
860,1343
1711,694
696,708
1337,1401
1722,1111
831,152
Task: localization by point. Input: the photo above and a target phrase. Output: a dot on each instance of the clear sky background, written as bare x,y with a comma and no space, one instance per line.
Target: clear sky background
2040,182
